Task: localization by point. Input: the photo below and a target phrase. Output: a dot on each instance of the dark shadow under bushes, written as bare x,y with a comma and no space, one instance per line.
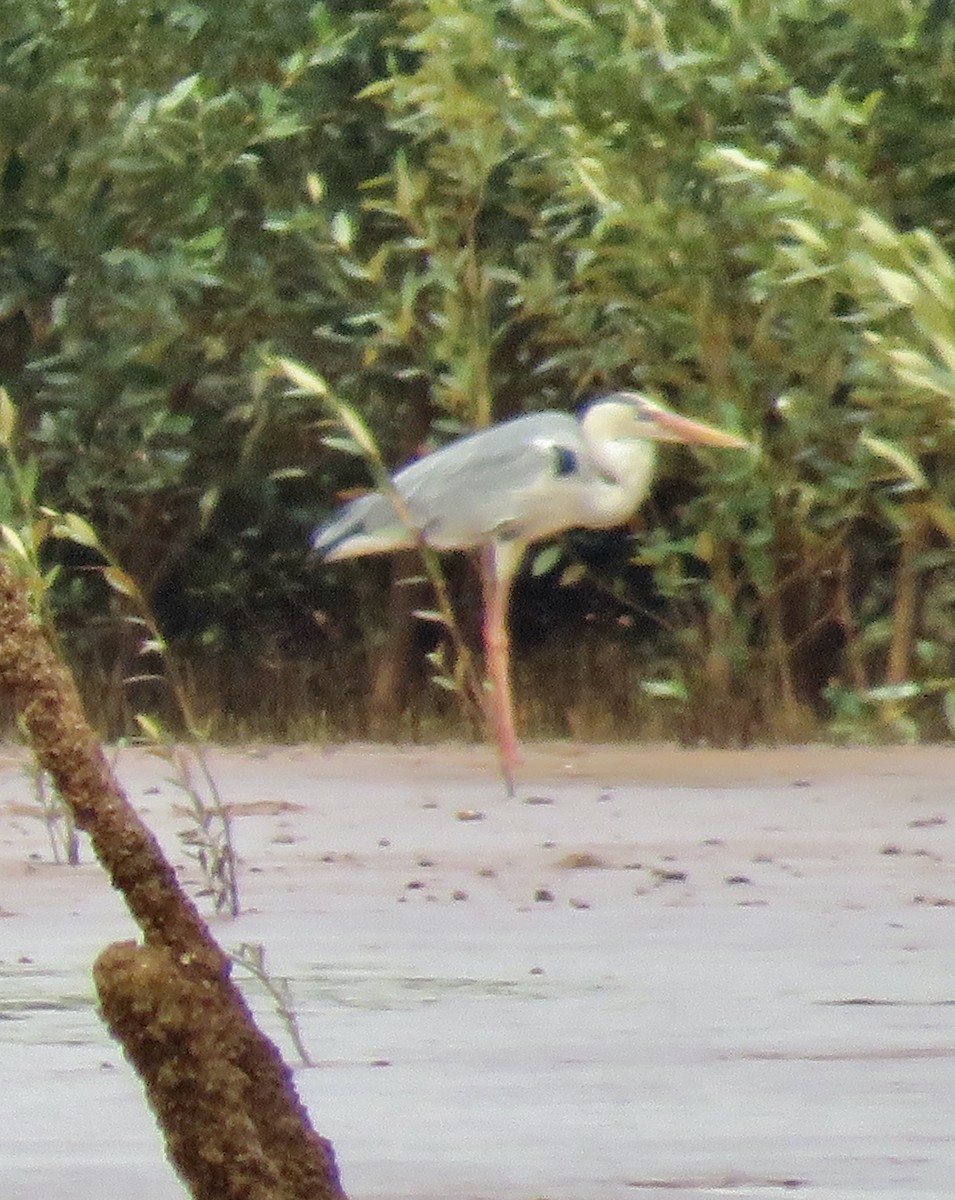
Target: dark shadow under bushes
592,683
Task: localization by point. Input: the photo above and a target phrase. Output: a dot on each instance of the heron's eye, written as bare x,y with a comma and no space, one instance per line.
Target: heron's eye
565,460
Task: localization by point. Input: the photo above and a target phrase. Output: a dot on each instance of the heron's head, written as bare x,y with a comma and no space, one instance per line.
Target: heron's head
629,415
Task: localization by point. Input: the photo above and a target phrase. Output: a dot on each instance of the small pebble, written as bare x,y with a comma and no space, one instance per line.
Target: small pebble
668,876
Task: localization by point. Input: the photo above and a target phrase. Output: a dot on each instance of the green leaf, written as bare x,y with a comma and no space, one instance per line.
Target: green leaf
665,689
74,528
430,614
345,445
902,461
15,542
120,581
153,729
545,560
948,708
572,574
208,503
183,90
569,13
8,420
903,289
307,380
342,230
891,693
806,233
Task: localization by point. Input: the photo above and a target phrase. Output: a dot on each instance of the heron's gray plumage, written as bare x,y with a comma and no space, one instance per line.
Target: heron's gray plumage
521,481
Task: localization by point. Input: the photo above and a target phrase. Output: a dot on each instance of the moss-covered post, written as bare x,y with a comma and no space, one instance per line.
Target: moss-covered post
234,1125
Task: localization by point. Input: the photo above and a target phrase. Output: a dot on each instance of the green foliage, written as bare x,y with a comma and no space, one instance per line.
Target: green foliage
461,211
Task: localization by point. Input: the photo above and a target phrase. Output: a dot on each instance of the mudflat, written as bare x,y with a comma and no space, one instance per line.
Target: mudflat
654,972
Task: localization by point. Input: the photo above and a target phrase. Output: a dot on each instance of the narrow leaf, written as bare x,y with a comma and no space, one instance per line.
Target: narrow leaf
121,581
208,503
151,728
307,380
14,541
572,574
8,419
344,445
665,689
903,462
948,708
73,528
430,614
899,287
892,692
545,560
342,231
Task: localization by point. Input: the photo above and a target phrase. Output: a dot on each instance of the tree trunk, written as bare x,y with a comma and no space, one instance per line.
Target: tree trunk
232,1119
394,666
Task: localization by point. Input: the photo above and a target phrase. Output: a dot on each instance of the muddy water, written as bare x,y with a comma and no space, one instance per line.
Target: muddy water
654,973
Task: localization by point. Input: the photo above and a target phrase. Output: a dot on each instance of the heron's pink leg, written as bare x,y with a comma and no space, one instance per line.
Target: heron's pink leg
497,575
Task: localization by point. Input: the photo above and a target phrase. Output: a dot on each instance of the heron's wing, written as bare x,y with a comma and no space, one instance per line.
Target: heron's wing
496,483
368,525
523,479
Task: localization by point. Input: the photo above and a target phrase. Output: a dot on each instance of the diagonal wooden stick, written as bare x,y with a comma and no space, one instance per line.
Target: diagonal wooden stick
233,1122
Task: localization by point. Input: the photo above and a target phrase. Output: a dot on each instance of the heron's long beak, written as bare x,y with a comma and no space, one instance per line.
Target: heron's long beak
674,428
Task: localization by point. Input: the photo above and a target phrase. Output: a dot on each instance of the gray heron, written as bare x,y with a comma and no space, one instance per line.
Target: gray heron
501,489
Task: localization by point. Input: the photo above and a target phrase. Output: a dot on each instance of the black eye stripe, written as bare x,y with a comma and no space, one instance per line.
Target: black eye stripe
565,460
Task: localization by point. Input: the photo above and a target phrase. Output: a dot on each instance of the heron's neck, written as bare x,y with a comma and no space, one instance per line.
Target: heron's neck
627,465
627,461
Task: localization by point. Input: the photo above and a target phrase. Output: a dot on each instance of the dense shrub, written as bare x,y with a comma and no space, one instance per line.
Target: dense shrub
458,211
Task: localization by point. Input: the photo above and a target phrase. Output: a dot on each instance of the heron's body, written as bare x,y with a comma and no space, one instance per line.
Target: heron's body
520,482
503,488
